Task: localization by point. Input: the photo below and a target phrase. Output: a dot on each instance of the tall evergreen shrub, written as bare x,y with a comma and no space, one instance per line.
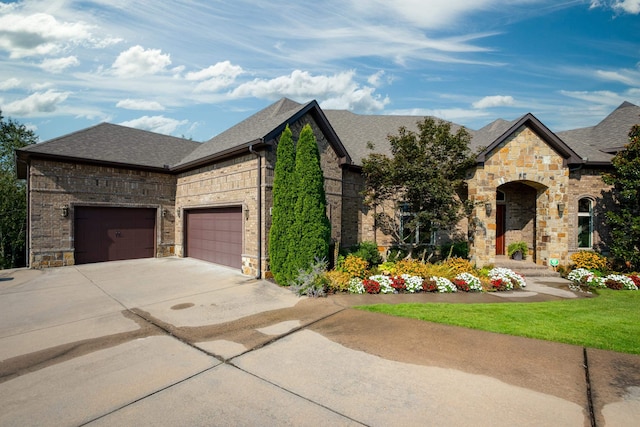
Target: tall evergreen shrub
284,201
311,234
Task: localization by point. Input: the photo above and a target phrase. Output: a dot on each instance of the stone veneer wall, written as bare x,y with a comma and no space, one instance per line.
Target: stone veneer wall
525,158
53,185
587,182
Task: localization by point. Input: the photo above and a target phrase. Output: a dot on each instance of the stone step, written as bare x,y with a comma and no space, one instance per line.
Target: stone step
526,268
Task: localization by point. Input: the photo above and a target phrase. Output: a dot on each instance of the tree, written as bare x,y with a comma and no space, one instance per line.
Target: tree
311,234
422,179
624,219
284,202
13,200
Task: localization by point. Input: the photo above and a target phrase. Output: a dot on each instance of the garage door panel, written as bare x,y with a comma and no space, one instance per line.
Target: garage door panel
215,235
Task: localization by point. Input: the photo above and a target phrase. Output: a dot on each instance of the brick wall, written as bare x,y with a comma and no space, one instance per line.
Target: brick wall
54,185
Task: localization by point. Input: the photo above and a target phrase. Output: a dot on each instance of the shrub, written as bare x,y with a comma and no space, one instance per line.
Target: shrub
412,267
458,249
338,280
520,246
430,285
311,282
439,270
589,260
388,268
367,251
458,265
355,266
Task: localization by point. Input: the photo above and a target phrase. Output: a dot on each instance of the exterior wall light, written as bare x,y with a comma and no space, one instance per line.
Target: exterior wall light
487,208
65,211
561,207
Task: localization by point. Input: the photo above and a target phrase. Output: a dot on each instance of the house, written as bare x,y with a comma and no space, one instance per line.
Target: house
110,192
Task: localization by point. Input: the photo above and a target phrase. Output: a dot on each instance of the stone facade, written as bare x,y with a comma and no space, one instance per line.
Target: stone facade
535,183
58,187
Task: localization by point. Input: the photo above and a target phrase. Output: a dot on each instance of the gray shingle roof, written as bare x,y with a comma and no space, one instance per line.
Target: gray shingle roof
596,143
251,129
117,144
356,131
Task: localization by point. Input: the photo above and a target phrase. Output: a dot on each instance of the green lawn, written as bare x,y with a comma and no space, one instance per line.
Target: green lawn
609,321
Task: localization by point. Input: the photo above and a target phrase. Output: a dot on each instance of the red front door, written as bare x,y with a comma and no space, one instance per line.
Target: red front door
500,228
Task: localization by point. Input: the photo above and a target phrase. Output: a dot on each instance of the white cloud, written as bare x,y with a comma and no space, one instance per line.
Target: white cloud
216,77
39,102
493,101
10,83
39,34
623,6
58,65
139,104
374,79
625,76
456,115
596,97
137,62
336,91
159,124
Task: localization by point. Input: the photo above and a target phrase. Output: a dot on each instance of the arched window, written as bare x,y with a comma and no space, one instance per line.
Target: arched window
585,223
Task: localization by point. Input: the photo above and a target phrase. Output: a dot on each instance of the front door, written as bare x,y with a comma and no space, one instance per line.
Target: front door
500,228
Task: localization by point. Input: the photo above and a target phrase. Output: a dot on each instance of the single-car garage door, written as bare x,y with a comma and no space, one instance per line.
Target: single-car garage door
111,234
215,235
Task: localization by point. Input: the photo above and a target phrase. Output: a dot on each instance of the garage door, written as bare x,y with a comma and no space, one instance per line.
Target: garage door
215,235
111,234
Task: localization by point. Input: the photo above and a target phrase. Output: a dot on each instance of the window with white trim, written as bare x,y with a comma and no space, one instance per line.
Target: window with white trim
585,223
420,234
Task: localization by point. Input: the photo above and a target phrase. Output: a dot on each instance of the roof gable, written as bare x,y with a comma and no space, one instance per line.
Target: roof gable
529,120
264,127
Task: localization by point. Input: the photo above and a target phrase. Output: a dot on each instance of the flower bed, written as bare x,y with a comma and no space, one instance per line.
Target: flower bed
586,280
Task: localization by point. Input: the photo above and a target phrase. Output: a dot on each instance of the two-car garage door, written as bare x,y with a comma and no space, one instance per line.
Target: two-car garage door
215,235
111,233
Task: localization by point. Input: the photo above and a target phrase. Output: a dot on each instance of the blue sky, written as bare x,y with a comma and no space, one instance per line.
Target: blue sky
195,68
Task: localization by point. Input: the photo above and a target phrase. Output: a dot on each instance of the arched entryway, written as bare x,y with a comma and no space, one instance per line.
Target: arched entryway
517,216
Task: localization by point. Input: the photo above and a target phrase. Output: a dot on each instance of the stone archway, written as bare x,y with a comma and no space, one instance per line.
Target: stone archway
520,210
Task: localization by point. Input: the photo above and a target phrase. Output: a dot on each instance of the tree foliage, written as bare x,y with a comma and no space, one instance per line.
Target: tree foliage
624,218
425,172
284,202
311,234
300,233
13,205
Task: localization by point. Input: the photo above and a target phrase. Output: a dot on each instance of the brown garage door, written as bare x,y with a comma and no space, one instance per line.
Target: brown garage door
215,235
110,234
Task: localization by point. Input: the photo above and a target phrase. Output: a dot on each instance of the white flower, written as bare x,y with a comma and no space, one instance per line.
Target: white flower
510,278
471,280
385,283
444,284
413,283
626,281
356,286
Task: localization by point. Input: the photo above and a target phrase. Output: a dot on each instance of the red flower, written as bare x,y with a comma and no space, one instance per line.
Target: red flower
461,285
371,286
398,283
429,286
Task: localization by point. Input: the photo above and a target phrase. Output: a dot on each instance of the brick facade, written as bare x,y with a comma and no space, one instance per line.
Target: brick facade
55,187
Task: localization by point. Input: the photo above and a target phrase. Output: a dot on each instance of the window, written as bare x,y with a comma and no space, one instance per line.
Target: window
418,236
585,223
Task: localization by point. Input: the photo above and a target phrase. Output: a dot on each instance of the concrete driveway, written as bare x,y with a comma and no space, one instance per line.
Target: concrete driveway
176,341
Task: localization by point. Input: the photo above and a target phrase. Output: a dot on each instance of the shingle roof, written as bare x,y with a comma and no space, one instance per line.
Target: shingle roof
116,144
356,131
596,143
249,130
